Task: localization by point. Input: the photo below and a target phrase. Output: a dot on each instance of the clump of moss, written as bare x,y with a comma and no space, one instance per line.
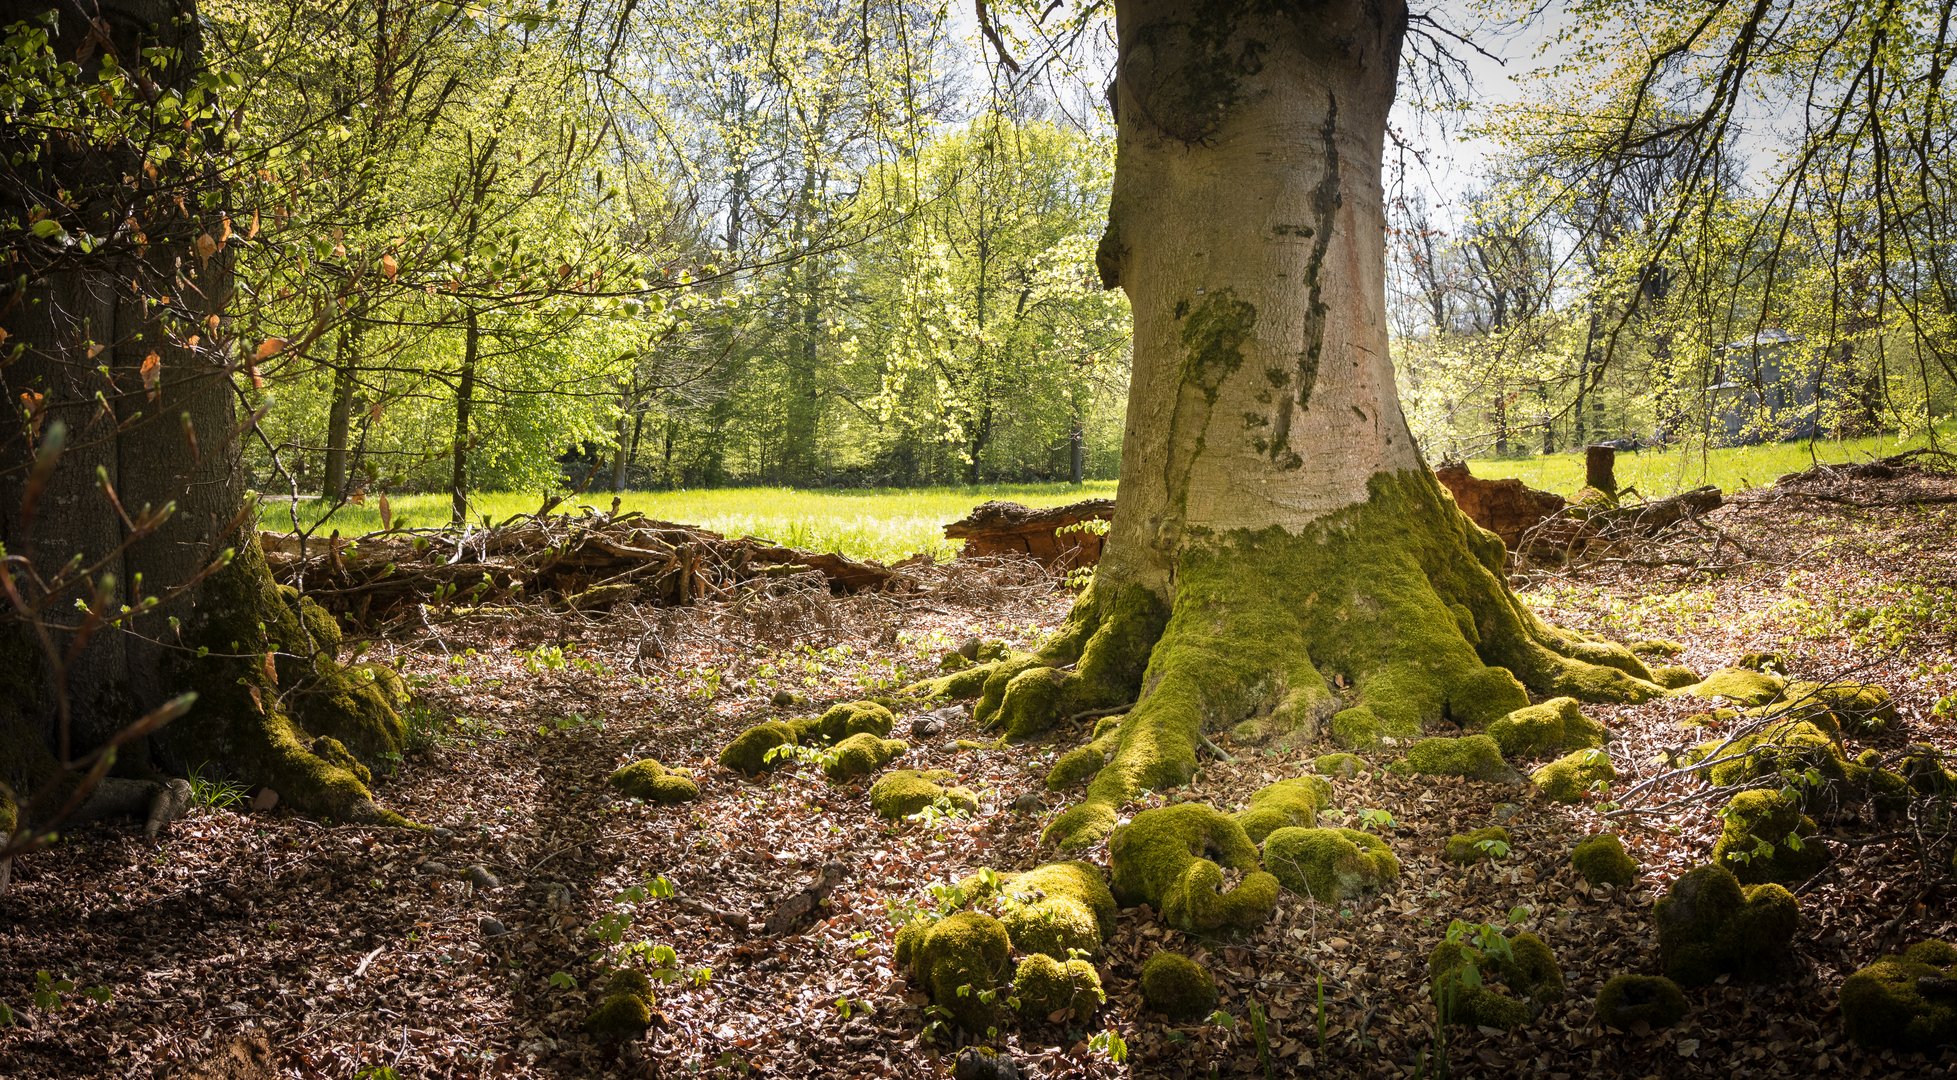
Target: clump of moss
748,753
1656,647
1602,860
1710,925
902,792
1358,728
334,752
653,782
1767,838
840,721
1481,845
1285,803
1163,858
1789,750
1044,988
1847,708
1529,972
1675,677
1347,765
966,949
1177,987
1056,908
1769,662
1330,865
1904,1002
1570,777
1076,767
1628,999
625,1011
1477,757
1555,725
1923,769
860,755
1739,685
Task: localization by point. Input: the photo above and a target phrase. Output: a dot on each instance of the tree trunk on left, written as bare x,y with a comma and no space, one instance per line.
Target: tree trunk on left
124,462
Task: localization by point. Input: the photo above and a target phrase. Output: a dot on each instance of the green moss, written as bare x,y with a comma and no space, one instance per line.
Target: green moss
332,751
1529,973
860,755
1904,1002
1347,765
1602,860
1656,647
1924,770
1796,752
966,949
1480,845
1553,726
1842,708
1285,803
1178,987
1770,662
748,753
1742,686
1263,621
1570,777
1767,838
1330,865
1629,999
1163,858
1075,767
261,725
900,793
1675,677
625,1012
839,722
1710,925
1055,991
649,780
1477,757
1058,909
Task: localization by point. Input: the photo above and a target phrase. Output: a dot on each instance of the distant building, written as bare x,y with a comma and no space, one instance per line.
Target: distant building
1760,391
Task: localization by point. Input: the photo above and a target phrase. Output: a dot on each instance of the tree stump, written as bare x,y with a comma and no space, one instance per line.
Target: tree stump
1600,468
1007,528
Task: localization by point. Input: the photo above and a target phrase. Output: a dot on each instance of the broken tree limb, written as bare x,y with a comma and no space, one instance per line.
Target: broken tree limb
1007,528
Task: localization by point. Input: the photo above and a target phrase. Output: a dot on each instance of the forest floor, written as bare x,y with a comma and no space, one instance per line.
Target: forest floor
261,944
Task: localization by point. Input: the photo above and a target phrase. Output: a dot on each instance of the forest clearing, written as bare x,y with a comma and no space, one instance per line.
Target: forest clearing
986,539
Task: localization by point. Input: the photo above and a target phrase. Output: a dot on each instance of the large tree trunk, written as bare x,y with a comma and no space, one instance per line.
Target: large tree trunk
1283,561
274,704
339,415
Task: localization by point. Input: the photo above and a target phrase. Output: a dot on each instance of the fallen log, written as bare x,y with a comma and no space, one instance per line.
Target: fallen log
585,563
1058,537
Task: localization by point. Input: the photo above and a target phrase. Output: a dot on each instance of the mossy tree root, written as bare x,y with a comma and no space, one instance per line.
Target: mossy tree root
1376,620
276,705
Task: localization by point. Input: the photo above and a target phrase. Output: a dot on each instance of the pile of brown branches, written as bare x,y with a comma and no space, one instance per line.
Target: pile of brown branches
585,563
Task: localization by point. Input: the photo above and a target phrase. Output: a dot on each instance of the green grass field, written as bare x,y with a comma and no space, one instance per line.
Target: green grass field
891,523
886,524
1656,473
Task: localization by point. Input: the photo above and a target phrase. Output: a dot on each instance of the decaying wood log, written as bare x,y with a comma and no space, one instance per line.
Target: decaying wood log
1507,508
585,563
1007,528
1651,518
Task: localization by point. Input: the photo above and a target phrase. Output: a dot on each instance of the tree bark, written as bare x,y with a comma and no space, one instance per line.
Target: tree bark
339,415
92,328
1283,561
465,404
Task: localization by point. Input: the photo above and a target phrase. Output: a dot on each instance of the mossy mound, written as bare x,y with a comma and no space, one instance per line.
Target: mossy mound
860,755
1359,728
1057,908
1924,769
1710,925
1790,751
625,1012
1767,838
653,782
1076,767
1551,727
1570,777
902,792
1340,764
1772,663
1675,677
1843,708
1480,845
1046,989
1529,973
1477,757
839,722
1739,685
967,949
748,752
1163,858
1602,860
1285,803
1656,647
1629,999
1178,987
1906,1002
1330,865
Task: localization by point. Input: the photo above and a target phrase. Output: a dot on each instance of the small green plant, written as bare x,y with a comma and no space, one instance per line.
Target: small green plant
214,793
542,658
1260,1036
817,756
563,980
1493,847
1372,819
1110,1043
426,728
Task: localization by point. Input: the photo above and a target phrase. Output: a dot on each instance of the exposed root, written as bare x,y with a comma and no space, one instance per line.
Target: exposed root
1375,623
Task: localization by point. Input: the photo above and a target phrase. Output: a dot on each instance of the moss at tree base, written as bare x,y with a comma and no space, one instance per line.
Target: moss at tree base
1330,865
1602,860
1163,858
